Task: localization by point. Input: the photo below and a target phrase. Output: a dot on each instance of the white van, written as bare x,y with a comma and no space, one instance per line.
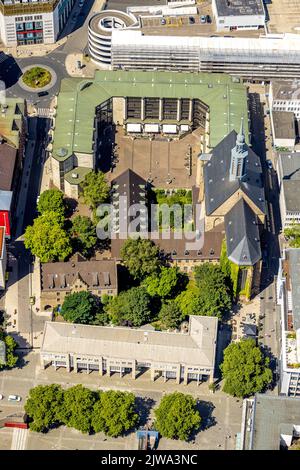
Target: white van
14,398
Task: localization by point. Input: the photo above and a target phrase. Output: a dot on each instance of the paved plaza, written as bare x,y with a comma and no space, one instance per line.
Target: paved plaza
221,414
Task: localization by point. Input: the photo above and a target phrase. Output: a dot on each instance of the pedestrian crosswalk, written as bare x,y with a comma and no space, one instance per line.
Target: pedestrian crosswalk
44,112
19,439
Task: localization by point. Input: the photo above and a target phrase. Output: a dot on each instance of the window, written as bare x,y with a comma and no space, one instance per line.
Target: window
38,25
19,27
29,25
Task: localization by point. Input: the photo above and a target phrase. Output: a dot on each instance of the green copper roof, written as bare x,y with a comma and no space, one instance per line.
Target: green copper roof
78,98
80,173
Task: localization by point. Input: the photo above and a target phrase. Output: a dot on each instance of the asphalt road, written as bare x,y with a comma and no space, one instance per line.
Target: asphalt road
260,128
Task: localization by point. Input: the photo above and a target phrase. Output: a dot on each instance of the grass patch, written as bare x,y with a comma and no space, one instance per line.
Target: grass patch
37,77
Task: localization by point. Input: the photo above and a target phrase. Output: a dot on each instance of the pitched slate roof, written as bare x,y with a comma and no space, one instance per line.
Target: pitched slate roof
132,185
242,235
219,188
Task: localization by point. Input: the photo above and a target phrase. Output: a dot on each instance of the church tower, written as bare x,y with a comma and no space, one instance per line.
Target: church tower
238,155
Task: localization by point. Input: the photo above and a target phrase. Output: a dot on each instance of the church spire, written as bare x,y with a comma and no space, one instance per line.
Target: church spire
238,155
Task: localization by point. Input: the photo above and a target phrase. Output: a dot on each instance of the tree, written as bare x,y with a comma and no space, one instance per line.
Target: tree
190,301
114,413
95,189
170,314
77,408
166,284
245,369
43,406
141,257
84,230
177,416
293,235
213,288
47,239
10,347
51,200
79,307
132,306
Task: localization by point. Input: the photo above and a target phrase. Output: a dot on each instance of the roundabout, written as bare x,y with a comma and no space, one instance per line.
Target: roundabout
37,78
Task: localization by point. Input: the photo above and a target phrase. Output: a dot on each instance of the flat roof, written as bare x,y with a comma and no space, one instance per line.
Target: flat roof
289,174
239,7
293,258
284,125
8,156
194,348
78,98
272,415
286,90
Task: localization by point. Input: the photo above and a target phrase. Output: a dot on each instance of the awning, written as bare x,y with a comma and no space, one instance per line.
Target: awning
151,128
170,128
133,127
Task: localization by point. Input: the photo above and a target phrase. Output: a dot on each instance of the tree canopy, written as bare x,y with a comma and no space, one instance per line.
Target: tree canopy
47,239
293,235
10,346
170,314
77,408
95,189
214,289
132,307
190,301
43,405
80,307
245,369
51,200
114,413
85,232
166,284
177,416
141,257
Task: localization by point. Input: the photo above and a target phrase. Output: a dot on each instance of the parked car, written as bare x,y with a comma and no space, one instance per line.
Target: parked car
191,20
270,164
208,19
81,3
162,21
1,396
203,19
14,398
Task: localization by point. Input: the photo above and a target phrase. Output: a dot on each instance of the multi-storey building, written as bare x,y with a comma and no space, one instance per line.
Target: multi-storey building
236,14
269,423
288,173
179,356
99,277
27,22
288,297
284,95
143,104
269,56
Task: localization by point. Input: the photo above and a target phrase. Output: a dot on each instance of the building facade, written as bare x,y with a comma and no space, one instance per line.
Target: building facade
28,22
284,95
236,14
179,356
288,173
3,258
288,297
259,59
99,277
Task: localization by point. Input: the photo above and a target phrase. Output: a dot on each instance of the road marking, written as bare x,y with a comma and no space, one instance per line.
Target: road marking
19,439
